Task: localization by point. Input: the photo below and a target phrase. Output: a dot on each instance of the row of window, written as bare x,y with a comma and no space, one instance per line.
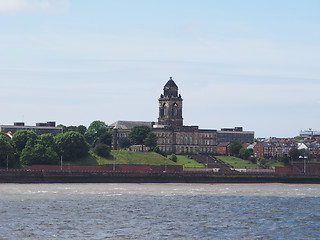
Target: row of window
181,149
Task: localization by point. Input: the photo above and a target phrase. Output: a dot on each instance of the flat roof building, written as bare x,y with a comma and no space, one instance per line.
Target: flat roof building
40,128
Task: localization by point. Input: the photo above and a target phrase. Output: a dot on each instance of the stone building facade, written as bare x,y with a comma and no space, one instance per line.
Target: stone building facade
173,136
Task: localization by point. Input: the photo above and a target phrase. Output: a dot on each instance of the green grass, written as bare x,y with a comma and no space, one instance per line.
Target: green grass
240,163
150,158
237,162
189,163
127,157
123,157
274,163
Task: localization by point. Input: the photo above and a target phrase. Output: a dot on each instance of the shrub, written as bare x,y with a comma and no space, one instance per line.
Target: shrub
174,158
102,150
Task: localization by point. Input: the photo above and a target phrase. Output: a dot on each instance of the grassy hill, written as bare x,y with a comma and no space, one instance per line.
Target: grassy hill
127,157
240,163
237,162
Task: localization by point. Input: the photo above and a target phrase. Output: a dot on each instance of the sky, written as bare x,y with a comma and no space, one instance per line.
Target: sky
248,63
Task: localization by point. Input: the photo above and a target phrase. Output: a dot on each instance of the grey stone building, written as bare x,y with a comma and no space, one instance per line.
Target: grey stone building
173,136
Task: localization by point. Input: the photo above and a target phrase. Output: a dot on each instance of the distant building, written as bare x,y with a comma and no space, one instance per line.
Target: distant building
223,148
40,128
237,133
310,132
173,136
272,148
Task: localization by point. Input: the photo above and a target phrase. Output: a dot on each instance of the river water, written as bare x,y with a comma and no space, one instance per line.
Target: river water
159,211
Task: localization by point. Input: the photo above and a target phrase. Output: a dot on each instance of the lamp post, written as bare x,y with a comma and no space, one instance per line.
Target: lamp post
114,164
304,164
165,164
7,162
61,162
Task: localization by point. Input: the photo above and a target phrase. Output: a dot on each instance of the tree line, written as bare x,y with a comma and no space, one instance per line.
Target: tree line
27,148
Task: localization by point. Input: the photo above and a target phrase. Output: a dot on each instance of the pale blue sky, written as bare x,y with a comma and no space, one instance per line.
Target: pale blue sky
254,64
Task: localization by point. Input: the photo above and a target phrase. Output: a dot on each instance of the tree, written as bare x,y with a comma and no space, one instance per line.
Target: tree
102,150
151,140
138,134
6,150
71,145
304,153
244,153
285,159
82,129
294,153
124,142
235,147
40,151
20,139
262,162
174,157
94,131
157,150
105,138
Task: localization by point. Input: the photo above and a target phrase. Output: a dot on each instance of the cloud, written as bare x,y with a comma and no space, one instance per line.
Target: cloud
51,6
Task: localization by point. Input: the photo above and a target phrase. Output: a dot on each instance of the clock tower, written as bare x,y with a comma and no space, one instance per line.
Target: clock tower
170,106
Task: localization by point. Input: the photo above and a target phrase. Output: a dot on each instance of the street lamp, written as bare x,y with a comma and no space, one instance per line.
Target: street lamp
165,164
304,164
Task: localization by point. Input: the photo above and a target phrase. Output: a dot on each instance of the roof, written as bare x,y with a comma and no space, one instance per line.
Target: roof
171,84
128,125
224,144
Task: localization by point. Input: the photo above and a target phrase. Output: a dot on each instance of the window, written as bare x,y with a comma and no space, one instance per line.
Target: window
165,110
175,109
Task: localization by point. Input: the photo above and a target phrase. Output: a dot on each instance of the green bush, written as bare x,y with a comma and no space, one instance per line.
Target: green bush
102,150
173,157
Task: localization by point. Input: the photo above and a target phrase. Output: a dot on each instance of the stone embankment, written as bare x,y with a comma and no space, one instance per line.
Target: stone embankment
42,176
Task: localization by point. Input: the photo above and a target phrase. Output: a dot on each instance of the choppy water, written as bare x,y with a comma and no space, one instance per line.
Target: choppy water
159,211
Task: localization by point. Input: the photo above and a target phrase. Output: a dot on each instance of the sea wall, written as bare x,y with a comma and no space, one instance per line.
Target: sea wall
121,177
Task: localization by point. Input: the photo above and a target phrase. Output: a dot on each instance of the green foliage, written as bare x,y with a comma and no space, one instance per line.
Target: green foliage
285,159
105,138
299,138
151,140
71,145
157,150
262,162
236,162
20,139
244,153
304,153
124,142
6,150
138,134
82,129
102,150
38,152
94,131
235,147
294,153
173,157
